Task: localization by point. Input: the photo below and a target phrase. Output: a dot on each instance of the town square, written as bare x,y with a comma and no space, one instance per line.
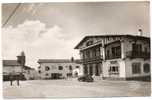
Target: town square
76,50
71,88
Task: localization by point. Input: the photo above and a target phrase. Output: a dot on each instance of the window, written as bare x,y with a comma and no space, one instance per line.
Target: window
77,66
108,38
47,68
136,69
146,50
93,52
116,52
137,48
146,68
69,74
84,54
87,54
108,54
60,67
114,38
97,51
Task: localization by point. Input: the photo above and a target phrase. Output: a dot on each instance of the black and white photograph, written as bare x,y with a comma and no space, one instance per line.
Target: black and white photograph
76,49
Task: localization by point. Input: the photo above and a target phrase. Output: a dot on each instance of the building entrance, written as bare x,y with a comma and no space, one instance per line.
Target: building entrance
90,69
114,71
97,69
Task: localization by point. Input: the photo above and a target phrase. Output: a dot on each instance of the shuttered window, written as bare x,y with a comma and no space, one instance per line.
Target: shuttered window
146,68
136,68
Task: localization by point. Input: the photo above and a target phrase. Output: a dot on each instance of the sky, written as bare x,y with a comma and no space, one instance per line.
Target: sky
52,30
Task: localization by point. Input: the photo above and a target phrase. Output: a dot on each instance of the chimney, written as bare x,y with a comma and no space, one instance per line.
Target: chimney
140,32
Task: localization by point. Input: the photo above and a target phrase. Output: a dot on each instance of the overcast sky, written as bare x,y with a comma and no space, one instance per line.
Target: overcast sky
52,30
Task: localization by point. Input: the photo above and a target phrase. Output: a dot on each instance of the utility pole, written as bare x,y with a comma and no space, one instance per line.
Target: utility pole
11,15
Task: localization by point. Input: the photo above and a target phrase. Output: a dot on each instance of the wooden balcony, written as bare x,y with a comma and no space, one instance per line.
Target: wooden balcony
113,57
133,54
93,59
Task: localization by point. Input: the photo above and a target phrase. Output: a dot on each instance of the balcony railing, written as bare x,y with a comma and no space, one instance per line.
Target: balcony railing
133,54
98,58
113,57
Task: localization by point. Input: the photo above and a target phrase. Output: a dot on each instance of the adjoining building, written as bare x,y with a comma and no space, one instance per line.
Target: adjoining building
59,68
116,56
17,69
30,73
11,67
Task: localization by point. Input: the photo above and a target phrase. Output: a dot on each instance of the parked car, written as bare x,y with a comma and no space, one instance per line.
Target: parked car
85,78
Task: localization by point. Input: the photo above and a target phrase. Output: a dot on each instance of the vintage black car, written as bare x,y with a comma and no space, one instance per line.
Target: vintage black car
85,78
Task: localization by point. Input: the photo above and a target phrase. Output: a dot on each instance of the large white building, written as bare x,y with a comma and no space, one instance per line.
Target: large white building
116,56
59,68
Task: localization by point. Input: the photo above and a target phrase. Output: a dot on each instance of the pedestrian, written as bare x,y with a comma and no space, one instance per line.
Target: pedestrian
18,78
11,78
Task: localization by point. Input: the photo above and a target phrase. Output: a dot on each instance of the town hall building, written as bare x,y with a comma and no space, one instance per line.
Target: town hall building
116,56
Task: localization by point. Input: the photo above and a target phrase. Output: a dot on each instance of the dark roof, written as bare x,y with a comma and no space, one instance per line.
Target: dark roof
57,61
10,63
112,35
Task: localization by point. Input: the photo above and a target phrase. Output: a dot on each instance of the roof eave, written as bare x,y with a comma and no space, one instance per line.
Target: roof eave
77,46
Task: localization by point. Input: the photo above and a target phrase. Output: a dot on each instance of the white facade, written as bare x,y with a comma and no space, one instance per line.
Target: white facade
128,67
77,71
121,67
30,74
126,63
11,67
46,70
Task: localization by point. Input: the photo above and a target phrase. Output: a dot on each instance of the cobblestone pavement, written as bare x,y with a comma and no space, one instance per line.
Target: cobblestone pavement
73,88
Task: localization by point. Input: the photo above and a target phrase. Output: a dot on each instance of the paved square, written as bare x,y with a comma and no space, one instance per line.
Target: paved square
73,88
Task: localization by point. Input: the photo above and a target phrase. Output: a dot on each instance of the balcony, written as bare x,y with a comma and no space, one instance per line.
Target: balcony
133,54
98,58
113,57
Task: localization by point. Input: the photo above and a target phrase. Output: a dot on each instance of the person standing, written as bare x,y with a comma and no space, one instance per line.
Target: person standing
11,79
17,79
